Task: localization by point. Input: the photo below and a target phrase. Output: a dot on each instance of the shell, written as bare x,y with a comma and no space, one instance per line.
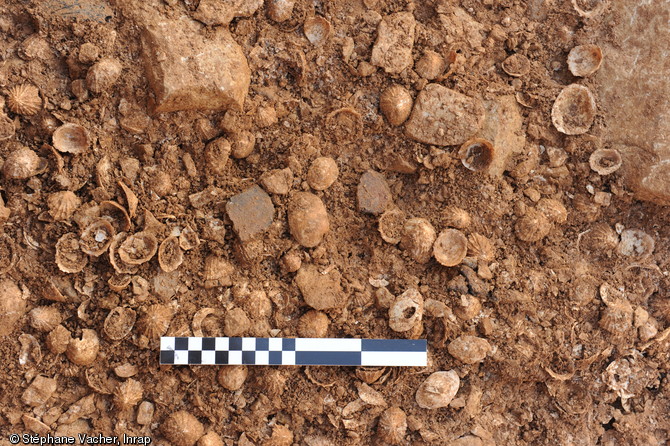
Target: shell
199,318
58,340
119,323
44,319
430,65
71,138
584,60
418,236
317,30
574,110
456,217
63,204
392,426
97,237
407,311
280,10
468,307
126,370
554,210
119,265
313,324
7,128
450,247
635,243
469,349
605,161
661,306
188,239
116,214
84,351
438,390
69,256
170,255
480,247
131,199
477,154
12,306
532,227
322,173
391,224
369,375
23,163
217,153
516,65
103,75
128,394
182,429
155,321
232,377
138,248
218,272
396,104
24,99
617,317
601,240
242,144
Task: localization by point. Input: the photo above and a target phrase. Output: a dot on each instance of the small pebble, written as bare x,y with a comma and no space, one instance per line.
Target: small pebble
251,212
307,219
373,193
322,173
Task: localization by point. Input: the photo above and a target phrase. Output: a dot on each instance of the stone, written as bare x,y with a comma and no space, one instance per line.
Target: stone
444,117
190,70
39,391
307,219
251,212
320,291
503,127
469,349
222,12
392,50
277,181
373,193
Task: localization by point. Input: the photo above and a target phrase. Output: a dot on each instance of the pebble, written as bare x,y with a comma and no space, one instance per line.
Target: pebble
12,306
277,181
39,391
469,349
307,219
320,291
251,212
322,173
392,50
145,413
236,322
373,193
444,117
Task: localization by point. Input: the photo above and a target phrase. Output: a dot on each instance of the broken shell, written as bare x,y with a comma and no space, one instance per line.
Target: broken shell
370,375
635,243
450,247
617,317
23,163
661,306
12,306
574,110
63,204
322,173
71,138
198,319
24,99
232,377
391,224
396,104
58,340
182,429
392,426
468,307
456,217
97,237
438,390
280,10
103,75
217,153
599,240
125,370
480,247
69,256
83,351
127,394
430,65
317,30
584,60
477,154
516,65
313,324
44,318
407,311
218,272
138,248
188,239
119,265
553,210
532,227
170,255
469,349
119,323
418,236
131,199
155,321
605,161
242,144
116,214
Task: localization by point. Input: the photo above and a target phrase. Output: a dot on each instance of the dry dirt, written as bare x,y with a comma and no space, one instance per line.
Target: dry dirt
578,331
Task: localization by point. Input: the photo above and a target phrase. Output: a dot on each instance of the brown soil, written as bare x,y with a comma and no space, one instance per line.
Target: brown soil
563,368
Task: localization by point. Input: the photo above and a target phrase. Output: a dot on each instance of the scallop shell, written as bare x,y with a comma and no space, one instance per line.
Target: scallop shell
477,154
617,317
391,224
574,110
71,138
97,237
119,323
119,282
170,255
635,243
63,204
438,390
554,210
218,272
532,227
317,30
407,311
103,75
430,65
584,60
155,321
115,260
44,319
456,217
392,426
450,247
69,256
601,240
418,236
128,394
516,65
22,163
605,161
480,247
396,104
24,99
138,248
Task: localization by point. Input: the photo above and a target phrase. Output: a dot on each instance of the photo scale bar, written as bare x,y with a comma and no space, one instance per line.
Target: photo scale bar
293,351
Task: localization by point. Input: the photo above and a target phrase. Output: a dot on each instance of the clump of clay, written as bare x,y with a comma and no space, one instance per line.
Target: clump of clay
322,173
12,306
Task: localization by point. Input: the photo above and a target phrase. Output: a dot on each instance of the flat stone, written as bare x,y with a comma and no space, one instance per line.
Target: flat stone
503,127
392,50
251,212
320,291
189,69
444,117
39,391
221,12
373,193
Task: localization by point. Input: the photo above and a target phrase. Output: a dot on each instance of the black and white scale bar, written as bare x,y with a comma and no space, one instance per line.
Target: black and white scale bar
293,351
